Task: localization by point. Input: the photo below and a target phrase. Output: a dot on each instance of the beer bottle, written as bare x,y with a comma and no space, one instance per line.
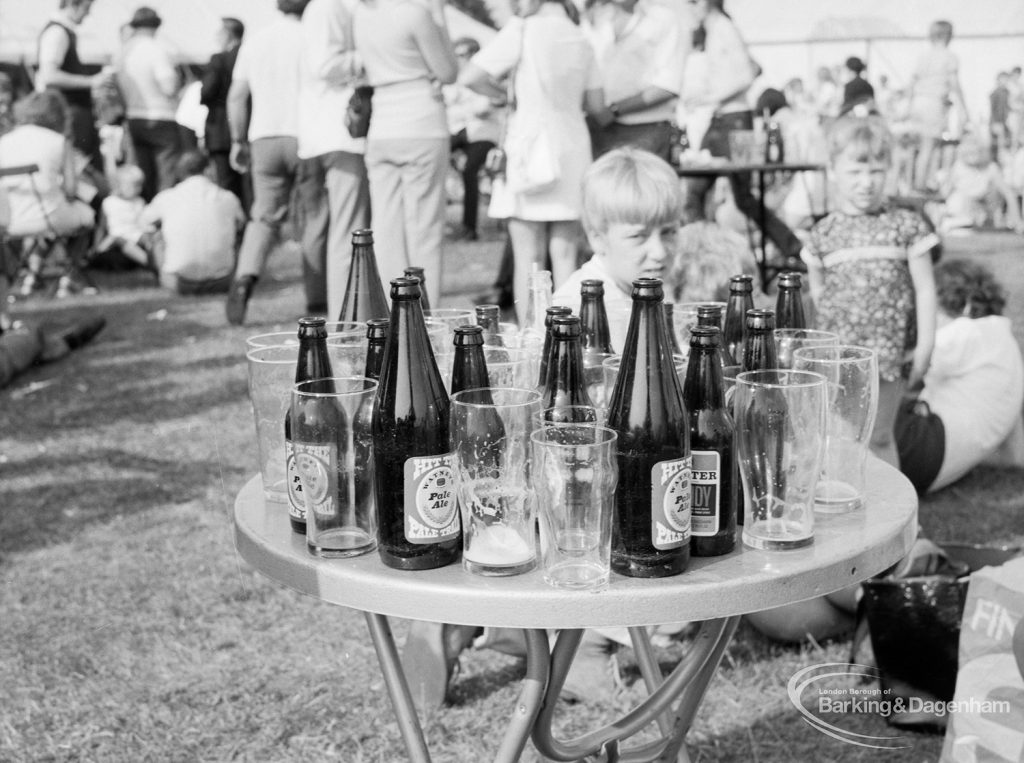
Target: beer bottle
566,384
670,319
597,337
741,299
711,315
364,294
418,523
488,317
414,271
545,354
789,305
774,151
376,341
313,363
759,352
651,528
715,480
469,368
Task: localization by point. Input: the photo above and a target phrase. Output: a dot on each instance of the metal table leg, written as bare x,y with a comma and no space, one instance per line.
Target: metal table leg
686,684
398,687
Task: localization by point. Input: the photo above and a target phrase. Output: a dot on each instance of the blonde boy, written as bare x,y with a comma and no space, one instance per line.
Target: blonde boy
632,204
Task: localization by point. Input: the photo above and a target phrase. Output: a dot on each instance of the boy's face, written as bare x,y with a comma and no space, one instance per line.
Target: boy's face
859,183
634,251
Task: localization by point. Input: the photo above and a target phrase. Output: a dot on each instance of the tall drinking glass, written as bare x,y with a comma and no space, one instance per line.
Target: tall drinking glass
490,434
852,376
334,459
575,474
271,377
780,436
787,341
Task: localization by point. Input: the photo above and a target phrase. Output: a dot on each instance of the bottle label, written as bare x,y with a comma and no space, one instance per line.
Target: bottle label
310,467
706,488
296,500
670,503
431,512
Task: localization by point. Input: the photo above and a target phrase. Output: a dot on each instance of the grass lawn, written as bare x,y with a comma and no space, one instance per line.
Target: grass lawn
131,631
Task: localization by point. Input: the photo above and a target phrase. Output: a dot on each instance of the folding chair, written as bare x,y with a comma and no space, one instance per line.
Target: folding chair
46,259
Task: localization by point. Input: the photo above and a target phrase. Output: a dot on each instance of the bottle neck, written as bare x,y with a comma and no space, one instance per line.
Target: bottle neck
565,383
594,320
705,387
759,351
469,368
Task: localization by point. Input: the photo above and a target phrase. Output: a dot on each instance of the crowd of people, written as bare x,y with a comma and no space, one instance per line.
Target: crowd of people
574,113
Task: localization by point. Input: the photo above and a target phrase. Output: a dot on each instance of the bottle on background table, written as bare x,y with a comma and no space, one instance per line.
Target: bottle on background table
741,299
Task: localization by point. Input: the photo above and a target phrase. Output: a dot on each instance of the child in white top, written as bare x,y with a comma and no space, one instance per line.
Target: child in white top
122,214
976,191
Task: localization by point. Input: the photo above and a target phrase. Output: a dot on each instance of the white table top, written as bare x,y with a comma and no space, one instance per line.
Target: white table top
847,548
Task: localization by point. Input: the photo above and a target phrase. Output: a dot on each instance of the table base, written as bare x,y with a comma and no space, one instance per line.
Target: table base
672,701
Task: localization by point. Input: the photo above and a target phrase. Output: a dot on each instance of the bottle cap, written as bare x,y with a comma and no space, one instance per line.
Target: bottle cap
405,288
468,336
553,312
377,328
760,320
741,282
648,289
566,326
704,336
362,237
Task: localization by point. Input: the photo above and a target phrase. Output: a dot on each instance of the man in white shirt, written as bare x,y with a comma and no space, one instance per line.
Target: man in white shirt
199,225
151,86
61,69
641,53
263,116
340,201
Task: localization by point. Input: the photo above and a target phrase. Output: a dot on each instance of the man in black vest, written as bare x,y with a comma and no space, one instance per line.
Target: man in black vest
61,69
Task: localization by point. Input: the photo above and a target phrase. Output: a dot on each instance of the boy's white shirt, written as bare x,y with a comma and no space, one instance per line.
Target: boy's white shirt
568,293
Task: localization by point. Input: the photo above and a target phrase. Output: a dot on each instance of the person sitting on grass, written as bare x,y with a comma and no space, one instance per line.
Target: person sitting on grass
969,410
975,191
199,225
125,231
632,204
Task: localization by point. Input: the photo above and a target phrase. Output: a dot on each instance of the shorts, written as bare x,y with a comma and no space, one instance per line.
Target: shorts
921,443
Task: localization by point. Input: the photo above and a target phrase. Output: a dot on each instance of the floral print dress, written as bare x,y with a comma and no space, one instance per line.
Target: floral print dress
868,299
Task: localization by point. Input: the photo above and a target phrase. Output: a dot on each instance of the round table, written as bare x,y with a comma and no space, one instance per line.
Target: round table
847,549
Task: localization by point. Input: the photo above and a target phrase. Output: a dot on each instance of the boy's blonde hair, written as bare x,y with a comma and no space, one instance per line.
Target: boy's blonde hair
128,173
869,136
940,31
628,185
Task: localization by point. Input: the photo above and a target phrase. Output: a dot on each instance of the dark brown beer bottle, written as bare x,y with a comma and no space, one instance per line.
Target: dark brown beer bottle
711,316
714,480
313,363
376,341
469,367
414,271
759,352
364,293
550,313
418,518
651,528
789,305
597,337
566,384
741,299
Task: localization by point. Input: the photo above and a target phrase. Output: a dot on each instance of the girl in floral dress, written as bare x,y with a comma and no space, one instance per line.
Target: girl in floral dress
870,269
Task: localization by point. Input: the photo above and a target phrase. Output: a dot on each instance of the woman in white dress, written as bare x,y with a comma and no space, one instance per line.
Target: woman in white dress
548,147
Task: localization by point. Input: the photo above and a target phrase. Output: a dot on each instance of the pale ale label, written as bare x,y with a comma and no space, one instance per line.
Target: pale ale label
296,502
431,512
314,464
706,484
670,503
